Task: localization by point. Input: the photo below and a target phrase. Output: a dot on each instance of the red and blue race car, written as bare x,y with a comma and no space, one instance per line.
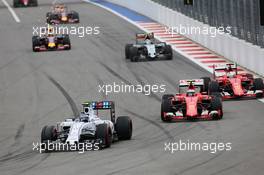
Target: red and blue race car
61,15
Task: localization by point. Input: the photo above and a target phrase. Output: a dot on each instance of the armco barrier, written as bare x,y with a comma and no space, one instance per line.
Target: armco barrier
245,54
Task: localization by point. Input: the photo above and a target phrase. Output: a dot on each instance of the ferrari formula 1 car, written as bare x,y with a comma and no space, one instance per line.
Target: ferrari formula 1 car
147,48
25,3
89,128
50,41
232,84
191,103
61,15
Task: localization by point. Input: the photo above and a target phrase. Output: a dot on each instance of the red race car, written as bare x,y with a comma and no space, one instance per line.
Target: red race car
191,103
231,84
25,3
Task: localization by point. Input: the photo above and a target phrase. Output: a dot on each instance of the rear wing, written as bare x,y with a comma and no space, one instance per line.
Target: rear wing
143,36
103,105
223,68
194,82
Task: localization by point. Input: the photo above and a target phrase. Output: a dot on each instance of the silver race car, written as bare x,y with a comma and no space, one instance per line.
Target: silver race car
89,128
146,47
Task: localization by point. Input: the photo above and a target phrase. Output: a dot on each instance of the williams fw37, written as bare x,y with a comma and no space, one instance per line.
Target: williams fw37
89,127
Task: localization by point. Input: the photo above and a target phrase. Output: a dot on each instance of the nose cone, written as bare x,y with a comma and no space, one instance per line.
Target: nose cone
191,106
25,2
51,45
237,86
64,18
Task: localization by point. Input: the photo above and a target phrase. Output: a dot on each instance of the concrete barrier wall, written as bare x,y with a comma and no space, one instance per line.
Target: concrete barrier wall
234,49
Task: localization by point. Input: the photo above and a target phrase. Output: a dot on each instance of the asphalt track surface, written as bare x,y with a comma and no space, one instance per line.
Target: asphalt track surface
37,89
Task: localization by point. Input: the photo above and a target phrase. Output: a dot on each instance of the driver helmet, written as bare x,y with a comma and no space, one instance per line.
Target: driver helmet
50,31
230,74
84,119
86,108
229,68
190,93
148,41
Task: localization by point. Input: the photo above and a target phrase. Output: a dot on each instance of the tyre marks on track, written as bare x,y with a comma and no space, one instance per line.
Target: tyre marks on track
71,102
19,133
167,133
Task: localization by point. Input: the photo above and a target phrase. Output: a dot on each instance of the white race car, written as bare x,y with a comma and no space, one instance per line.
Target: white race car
89,128
146,47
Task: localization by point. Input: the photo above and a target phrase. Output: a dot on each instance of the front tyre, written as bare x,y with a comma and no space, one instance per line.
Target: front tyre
127,50
216,105
103,132
134,54
166,107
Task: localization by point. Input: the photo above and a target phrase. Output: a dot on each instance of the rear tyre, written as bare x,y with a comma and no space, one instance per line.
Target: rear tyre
166,107
124,128
216,105
206,80
75,15
258,85
48,17
103,132
127,50
213,88
168,52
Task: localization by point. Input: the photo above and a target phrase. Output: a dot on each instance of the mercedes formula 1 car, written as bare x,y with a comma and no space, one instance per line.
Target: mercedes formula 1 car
50,41
231,84
89,127
25,3
147,48
191,103
61,15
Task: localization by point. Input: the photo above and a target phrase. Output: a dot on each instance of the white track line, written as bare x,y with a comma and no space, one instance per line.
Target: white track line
204,66
11,11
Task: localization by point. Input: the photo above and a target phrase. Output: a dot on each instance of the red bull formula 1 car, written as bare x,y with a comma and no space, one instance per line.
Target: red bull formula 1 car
61,15
234,85
51,41
191,103
25,3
